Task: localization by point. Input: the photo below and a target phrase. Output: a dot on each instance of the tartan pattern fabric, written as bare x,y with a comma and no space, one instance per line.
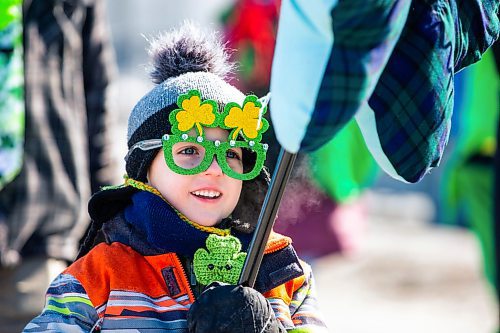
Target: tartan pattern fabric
364,36
413,98
477,27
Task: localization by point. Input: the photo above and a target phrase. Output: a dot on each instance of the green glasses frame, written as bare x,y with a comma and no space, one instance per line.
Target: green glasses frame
214,148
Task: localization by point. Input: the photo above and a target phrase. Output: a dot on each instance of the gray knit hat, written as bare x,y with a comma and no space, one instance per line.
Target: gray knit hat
149,118
183,60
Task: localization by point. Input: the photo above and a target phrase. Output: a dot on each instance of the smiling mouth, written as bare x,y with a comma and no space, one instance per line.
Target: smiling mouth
205,194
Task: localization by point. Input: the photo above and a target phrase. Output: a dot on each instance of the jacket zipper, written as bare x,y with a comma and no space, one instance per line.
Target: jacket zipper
186,280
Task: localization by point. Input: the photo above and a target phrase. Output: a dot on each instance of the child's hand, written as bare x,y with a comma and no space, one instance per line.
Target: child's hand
227,308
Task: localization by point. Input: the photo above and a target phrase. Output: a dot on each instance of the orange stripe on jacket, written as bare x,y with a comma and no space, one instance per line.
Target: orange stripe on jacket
119,267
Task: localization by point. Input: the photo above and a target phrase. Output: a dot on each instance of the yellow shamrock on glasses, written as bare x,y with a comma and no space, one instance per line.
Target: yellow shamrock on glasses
193,112
247,120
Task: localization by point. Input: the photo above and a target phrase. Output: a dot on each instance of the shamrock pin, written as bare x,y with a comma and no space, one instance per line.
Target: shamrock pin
222,262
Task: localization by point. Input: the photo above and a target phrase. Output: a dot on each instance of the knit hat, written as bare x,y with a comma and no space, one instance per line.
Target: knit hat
184,60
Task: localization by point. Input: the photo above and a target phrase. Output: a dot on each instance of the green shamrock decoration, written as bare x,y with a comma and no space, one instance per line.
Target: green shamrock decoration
193,112
247,120
222,262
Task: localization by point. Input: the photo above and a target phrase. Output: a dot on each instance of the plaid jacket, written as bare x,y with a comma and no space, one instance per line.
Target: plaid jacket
389,63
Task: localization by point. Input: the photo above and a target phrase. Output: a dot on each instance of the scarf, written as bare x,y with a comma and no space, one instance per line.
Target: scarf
167,230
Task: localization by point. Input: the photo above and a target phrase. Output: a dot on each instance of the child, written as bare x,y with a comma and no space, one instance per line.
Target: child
182,220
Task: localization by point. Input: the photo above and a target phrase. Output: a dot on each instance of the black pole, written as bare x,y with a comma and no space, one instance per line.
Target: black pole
266,218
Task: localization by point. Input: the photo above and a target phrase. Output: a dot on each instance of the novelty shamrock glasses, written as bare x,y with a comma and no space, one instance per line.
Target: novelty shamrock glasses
187,151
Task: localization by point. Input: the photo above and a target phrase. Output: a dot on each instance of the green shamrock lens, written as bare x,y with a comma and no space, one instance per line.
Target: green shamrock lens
186,155
241,159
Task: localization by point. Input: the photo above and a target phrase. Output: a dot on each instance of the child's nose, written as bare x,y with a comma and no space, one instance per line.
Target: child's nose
214,168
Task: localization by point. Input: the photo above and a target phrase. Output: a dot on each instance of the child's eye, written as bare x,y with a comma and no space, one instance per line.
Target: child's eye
189,151
233,154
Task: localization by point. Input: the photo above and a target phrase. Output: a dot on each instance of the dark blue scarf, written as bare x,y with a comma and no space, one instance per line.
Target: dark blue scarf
164,229
152,227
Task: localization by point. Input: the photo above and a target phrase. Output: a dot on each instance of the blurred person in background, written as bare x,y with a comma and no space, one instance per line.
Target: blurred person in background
323,196
250,28
54,146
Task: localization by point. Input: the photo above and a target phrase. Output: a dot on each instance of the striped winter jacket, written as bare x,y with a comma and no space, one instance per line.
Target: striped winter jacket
115,288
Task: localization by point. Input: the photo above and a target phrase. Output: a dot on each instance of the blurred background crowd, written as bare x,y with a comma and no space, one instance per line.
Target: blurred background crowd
389,256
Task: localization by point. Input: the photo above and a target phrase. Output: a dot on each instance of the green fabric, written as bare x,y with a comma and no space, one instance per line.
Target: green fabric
10,11
11,90
479,114
344,167
467,185
477,128
476,187
246,61
301,330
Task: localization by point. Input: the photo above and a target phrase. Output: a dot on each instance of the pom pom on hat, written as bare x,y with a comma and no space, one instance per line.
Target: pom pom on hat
188,49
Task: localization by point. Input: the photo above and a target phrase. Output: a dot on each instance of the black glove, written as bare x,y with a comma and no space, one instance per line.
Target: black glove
227,308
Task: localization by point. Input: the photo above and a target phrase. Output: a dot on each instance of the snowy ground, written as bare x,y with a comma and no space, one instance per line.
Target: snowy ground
407,276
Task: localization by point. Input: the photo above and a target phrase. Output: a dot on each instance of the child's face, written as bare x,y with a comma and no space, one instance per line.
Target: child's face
205,198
